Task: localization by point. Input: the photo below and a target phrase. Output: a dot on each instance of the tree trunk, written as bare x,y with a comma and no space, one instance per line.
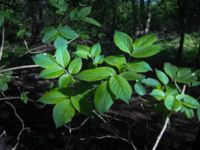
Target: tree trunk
148,17
181,6
198,56
142,17
134,18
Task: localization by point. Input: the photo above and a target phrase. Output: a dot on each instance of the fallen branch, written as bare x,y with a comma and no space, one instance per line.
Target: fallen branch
18,68
78,127
22,124
73,129
115,134
103,137
9,98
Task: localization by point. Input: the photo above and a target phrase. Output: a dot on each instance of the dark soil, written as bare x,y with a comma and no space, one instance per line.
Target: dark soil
136,121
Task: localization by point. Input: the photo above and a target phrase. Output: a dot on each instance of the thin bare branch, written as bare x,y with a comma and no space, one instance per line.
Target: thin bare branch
78,127
9,98
161,133
2,43
115,134
177,86
19,68
103,137
3,134
23,128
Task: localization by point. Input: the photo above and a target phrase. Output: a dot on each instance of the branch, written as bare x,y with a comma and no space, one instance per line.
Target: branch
19,67
177,86
37,50
103,137
161,133
3,134
22,124
78,127
73,129
2,43
167,120
115,134
183,90
9,98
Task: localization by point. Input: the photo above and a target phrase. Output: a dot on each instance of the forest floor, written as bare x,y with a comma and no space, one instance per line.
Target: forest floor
122,125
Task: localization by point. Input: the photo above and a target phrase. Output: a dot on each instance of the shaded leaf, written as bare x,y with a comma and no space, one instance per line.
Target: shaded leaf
52,97
63,112
120,88
102,99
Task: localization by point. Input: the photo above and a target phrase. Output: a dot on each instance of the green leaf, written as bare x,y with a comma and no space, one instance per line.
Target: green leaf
188,101
67,32
171,70
169,102
24,97
139,67
3,87
60,43
82,54
99,59
171,91
188,112
123,41
162,77
52,72
131,76
158,94
198,113
73,14
139,89
44,60
83,47
118,61
185,75
75,65
52,97
102,99
95,50
65,80
62,56
50,36
81,104
177,106
143,52
91,21
82,51
145,40
83,12
150,82
63,113
61,5
96,74
120,88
